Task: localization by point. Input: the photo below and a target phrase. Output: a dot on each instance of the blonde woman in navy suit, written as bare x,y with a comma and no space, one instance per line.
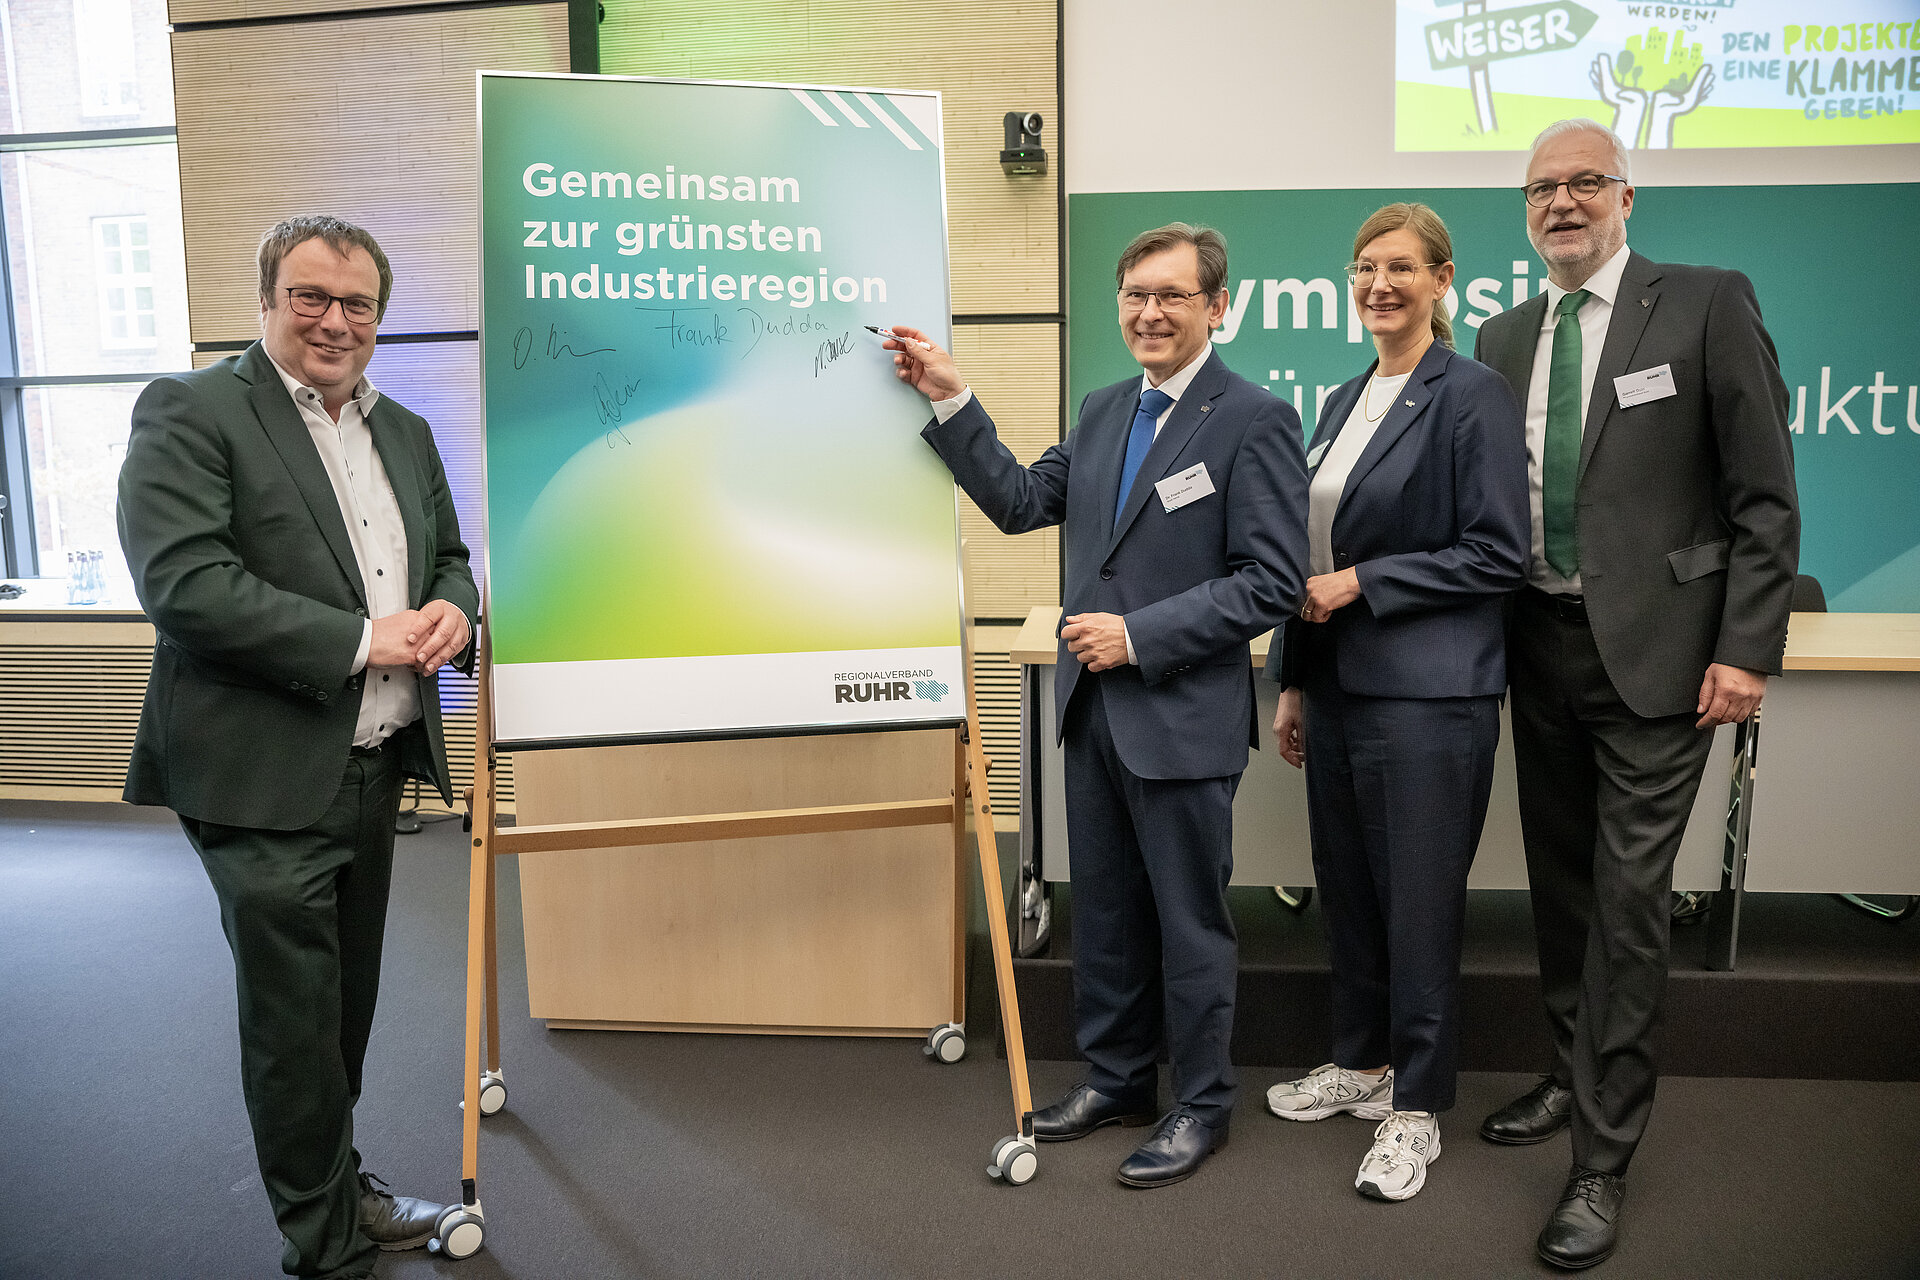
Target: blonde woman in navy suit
1391,676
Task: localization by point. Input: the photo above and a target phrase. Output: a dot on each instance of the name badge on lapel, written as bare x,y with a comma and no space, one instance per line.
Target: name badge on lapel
1648,384
1190,485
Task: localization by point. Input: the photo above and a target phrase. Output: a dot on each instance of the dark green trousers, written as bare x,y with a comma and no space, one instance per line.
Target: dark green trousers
305,913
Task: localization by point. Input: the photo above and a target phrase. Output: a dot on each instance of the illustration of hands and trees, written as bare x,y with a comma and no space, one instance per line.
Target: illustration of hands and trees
1486,75
1653,81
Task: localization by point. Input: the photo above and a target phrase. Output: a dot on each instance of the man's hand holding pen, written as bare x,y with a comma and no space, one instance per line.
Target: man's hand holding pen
923,365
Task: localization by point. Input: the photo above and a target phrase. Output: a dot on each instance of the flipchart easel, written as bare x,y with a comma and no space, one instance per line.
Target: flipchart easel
461,1230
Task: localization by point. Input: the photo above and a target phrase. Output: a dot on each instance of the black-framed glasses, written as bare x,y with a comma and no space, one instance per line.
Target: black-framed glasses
313,304
1169,299
1399,274
1581,186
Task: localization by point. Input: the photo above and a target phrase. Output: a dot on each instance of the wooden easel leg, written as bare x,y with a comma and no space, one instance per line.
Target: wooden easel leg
997,935
493,963
462,1228
1015,1159
476,991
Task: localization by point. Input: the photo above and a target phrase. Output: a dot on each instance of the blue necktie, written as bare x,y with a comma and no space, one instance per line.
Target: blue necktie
1152,405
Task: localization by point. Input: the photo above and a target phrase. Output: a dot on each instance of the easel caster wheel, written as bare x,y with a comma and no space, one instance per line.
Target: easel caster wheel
946,1043
493,1093
460,1232
1014,1162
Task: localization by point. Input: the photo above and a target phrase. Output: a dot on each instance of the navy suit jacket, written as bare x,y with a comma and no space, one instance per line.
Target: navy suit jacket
1434,521
1194,584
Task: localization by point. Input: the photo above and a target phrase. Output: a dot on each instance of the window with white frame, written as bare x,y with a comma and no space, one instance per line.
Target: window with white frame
124,264
93,273
109,83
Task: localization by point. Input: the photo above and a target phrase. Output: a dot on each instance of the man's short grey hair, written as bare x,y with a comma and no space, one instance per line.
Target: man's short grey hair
1580,124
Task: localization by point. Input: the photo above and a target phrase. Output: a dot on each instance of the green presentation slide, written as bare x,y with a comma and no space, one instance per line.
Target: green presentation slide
1481,76
1852,370
709,509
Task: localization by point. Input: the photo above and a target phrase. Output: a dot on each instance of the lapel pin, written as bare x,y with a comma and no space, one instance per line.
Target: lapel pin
1206,408
1646,302
1409,404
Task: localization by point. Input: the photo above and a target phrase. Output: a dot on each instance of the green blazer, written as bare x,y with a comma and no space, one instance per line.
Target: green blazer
240,558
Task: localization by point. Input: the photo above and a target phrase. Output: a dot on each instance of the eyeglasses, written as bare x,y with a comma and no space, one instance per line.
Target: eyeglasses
1399,274
1169,299
313,304
1581,186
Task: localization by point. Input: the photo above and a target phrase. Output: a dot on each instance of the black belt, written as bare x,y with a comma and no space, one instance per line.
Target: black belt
1565,608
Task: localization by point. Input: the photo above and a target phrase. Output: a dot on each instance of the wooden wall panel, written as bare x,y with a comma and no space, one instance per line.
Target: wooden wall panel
263,137
985,58
1015,370
185,11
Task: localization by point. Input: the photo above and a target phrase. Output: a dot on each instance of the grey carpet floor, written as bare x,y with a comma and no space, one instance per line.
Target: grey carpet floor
124,1150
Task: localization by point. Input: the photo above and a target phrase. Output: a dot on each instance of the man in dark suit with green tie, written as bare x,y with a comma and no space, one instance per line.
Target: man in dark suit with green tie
1666,532
292,539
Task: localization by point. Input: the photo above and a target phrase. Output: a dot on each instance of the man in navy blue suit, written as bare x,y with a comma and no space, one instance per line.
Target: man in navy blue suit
1184,496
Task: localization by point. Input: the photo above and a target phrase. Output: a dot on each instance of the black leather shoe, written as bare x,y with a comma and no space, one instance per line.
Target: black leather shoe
1533,1117
1585,1225
1085,1109
395,1222
1173,1153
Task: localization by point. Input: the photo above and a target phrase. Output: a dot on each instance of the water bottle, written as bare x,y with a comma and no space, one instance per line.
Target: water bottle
73,579
91,577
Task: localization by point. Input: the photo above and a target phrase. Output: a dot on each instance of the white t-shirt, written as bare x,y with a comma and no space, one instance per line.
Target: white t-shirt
1330,481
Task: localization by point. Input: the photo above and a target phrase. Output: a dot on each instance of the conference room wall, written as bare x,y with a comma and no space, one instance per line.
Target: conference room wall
370,117
985,59
1015,370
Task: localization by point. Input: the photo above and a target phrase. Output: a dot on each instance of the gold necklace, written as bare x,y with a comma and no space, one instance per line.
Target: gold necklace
1366,397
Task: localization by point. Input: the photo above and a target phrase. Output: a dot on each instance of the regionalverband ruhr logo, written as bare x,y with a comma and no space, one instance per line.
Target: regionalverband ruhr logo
887,686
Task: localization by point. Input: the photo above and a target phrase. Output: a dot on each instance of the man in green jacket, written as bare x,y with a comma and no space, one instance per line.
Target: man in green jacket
293,541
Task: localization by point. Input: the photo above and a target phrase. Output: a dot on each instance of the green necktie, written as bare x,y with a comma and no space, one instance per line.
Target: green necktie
1560,467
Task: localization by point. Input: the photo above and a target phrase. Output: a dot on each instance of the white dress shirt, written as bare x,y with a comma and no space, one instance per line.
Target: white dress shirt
1175,386
390,698
1330,481
1596,313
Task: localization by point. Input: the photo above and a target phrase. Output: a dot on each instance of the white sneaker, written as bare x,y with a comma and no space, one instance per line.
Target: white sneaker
1403,1146
1329,1090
